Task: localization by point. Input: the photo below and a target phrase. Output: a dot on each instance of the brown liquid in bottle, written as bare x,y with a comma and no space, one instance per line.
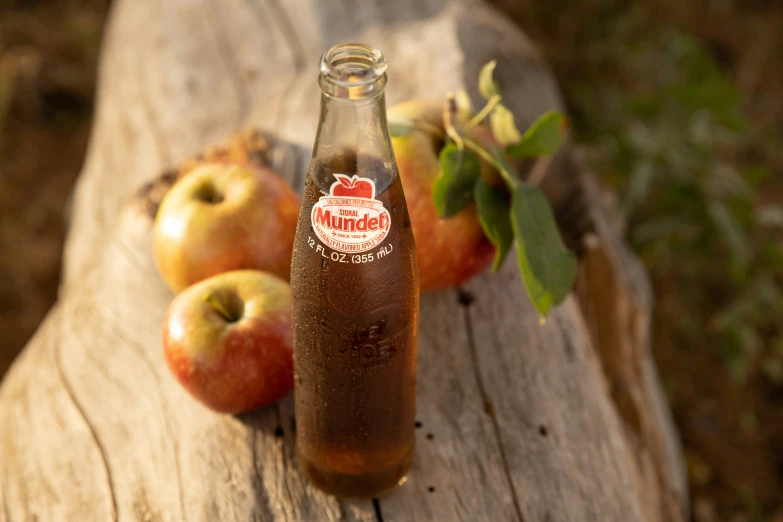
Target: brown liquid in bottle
355,326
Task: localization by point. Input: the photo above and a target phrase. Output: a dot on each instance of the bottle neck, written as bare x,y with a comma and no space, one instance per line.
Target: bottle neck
353,126
353,135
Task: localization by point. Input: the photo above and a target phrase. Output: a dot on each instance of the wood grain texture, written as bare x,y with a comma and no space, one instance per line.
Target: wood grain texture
518,421
616,301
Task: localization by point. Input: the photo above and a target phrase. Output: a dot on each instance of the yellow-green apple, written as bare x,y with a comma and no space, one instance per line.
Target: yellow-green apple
450,251
221,217
227,340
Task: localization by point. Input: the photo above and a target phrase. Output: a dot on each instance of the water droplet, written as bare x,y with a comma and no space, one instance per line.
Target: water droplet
394,209
325,264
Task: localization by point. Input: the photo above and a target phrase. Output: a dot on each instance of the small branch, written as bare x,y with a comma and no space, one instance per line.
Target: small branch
449,109
507,176
426,126
478,118
410,124
539,170
486,156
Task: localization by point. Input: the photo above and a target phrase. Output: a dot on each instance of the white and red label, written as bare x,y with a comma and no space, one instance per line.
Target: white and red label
349,218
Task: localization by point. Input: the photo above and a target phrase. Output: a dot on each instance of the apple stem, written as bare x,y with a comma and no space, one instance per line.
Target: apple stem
219,308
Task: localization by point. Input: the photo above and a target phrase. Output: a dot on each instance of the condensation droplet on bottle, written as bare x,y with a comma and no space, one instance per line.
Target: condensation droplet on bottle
325,264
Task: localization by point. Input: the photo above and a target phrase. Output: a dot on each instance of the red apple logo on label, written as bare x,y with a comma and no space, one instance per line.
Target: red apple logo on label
349,218
353,187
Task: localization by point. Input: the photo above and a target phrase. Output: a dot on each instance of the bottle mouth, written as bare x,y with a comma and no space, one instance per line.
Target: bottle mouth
352,71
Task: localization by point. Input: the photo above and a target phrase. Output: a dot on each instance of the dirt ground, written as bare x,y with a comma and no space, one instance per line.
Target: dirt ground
733,435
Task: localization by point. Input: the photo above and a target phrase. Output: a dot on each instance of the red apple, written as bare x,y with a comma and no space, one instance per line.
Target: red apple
227,340
450,251
353,186
221,217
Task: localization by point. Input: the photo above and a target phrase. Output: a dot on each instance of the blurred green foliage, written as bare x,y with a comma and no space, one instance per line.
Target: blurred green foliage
674,144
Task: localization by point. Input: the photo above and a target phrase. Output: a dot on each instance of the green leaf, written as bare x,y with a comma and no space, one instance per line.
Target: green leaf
494,214
453,188
400,125
548,268
544,137
486,84
501,121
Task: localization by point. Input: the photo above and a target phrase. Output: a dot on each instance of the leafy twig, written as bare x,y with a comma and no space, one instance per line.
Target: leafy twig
512,210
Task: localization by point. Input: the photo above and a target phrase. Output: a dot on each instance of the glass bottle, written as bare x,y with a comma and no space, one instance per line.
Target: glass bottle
355,289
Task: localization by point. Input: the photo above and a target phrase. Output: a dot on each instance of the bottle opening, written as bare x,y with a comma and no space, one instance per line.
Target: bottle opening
352,71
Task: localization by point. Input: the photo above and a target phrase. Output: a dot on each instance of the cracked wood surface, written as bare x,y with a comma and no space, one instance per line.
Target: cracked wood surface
560,422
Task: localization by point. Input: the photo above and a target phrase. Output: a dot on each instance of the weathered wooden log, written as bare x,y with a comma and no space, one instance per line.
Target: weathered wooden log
519,421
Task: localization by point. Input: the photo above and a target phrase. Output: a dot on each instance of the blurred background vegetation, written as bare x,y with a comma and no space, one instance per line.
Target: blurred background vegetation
676,104
48,57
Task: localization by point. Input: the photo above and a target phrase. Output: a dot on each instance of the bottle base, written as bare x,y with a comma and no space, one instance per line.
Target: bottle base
364,486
